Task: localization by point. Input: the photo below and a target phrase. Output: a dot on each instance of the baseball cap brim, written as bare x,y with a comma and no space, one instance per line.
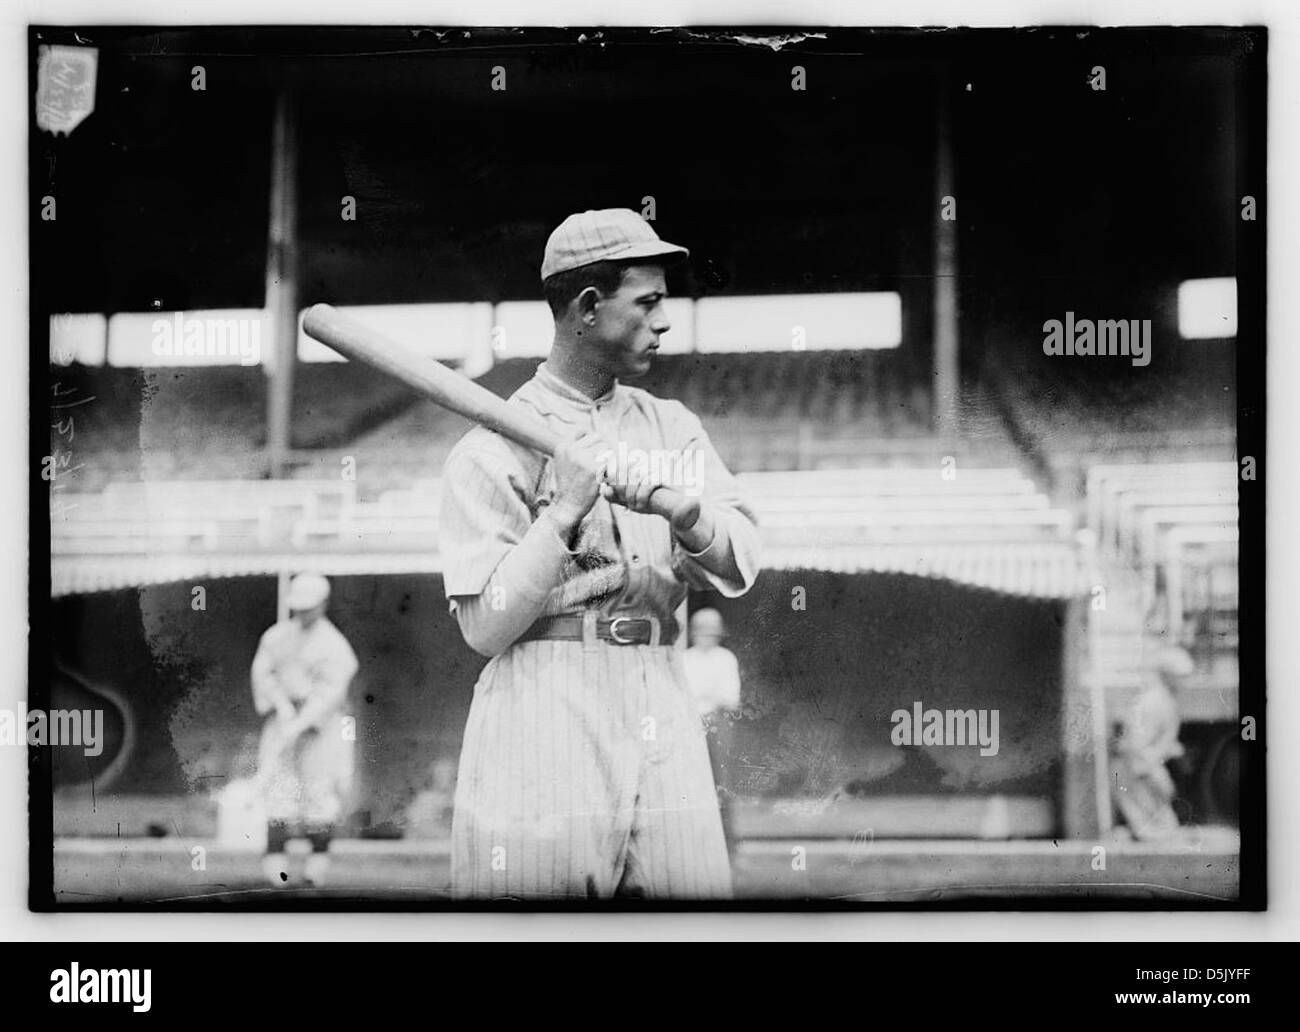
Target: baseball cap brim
653,249
660,249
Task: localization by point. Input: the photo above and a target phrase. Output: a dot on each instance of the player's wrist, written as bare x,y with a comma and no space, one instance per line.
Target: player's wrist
565,519
697,538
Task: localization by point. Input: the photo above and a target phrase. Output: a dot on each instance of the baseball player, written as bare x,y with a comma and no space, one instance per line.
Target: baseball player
1143,788
301,675
711,669
583,771
714,679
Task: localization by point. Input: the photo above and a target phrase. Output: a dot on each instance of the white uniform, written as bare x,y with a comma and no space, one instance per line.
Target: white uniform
583,770
1143,788
714,677
307,781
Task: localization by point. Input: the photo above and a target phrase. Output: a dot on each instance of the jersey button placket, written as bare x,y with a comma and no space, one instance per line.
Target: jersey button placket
628,546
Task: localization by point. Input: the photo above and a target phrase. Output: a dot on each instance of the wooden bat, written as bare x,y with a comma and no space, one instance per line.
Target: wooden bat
453,391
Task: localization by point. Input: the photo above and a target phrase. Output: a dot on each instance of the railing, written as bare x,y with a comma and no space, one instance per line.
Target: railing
985,526
1157,517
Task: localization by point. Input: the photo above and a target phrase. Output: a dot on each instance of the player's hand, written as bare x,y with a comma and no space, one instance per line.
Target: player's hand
280,734
692,525
581,467
632,493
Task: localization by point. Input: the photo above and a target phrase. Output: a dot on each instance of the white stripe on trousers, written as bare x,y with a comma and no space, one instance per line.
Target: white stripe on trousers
585,773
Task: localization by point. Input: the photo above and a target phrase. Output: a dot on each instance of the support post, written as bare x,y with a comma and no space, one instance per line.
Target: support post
1082,754
282,281
945,383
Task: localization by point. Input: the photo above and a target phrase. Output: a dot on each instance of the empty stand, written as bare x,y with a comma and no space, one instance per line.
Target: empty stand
764,411
985,526
1069,415
1135,508
1165,556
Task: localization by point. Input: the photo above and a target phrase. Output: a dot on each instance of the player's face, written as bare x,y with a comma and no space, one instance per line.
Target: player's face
307,617
630,322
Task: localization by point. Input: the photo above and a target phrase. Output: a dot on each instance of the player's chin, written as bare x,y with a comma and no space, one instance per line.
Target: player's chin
639,364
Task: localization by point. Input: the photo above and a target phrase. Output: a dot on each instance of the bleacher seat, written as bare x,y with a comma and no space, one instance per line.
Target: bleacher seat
765,411
988,525
1166,546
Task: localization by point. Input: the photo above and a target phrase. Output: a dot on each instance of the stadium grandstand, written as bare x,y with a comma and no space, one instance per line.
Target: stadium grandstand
969,517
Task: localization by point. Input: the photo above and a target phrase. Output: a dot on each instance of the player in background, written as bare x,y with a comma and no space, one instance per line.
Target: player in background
300,676
714,678
1143,788
711,669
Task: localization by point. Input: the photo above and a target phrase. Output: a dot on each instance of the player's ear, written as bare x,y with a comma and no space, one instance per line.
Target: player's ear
586,303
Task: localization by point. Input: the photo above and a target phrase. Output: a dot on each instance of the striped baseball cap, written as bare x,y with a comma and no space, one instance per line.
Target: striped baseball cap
617,234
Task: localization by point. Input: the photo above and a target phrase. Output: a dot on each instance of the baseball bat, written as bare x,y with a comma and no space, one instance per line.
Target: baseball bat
460,394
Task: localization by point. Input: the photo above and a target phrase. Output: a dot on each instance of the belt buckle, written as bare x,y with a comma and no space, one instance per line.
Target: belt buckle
613,630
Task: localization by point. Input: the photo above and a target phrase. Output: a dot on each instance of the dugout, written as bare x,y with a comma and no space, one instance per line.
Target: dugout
810,750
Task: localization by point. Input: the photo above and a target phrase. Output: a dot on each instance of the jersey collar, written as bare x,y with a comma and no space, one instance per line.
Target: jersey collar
553,388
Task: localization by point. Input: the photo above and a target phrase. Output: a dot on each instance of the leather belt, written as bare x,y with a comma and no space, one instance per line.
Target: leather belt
589,629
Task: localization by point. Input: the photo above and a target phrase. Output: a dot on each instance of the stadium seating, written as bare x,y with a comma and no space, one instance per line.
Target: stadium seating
1135,508
1146,457
1002,532
794,410
1165,537
1070,418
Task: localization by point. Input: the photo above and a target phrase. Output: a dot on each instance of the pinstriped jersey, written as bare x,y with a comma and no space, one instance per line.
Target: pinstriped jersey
624,563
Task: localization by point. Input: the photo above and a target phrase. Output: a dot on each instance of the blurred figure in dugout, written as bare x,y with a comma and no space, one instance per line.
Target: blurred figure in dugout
714,679
1143,789
301,675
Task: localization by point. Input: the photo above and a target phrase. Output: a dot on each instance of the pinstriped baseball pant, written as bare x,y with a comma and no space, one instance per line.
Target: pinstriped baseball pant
584,773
